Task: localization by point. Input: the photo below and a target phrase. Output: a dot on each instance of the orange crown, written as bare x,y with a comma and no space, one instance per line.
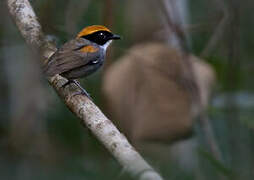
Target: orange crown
91,29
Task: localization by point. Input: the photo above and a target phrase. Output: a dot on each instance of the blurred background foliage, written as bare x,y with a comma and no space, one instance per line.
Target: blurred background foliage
41,139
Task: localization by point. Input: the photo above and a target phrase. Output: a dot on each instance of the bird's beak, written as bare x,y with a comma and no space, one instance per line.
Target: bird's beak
115,37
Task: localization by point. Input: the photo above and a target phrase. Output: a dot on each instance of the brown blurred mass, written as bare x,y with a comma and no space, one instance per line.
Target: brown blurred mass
148,92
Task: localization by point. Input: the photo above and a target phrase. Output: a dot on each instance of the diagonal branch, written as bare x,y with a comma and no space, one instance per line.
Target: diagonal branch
80,105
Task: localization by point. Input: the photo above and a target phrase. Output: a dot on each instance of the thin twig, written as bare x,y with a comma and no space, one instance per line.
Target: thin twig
80,105
194,89
174,23
219,31
217,35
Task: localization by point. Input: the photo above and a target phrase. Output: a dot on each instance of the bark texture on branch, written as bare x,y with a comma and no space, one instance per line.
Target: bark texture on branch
80,105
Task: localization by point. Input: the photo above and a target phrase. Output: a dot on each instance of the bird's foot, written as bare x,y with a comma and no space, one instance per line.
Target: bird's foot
83,91
67,83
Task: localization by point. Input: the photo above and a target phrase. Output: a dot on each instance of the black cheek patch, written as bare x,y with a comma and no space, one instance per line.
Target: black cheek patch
97,38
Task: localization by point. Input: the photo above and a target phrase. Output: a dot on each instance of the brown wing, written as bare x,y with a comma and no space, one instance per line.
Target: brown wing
73,54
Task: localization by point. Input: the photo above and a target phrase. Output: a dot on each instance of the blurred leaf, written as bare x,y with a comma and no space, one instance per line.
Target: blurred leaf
216,164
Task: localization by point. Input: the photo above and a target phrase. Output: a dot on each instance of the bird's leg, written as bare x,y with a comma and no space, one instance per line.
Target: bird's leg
67,83
83,91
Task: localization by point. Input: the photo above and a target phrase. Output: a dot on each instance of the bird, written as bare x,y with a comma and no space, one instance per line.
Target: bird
82,56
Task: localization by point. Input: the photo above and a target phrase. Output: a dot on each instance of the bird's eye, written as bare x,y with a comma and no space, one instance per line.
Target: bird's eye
102,35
